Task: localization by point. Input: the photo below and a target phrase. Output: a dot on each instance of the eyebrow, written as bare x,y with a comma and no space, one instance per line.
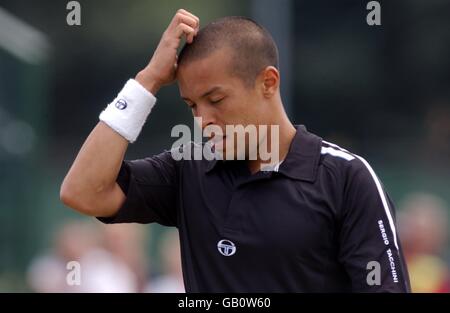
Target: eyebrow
212,90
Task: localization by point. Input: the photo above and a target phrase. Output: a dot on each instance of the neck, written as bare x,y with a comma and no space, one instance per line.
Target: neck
286,135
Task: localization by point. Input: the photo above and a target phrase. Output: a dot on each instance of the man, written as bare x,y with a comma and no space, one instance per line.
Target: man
319,221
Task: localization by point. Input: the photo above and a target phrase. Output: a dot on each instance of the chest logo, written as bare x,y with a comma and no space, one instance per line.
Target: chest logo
226,247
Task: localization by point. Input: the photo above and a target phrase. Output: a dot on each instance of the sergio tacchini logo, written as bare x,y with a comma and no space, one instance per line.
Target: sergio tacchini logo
121,104
226,247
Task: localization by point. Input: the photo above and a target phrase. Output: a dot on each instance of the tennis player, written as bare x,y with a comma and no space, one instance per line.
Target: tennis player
316,220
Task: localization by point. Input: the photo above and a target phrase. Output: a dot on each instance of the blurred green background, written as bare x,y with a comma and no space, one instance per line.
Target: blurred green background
381,91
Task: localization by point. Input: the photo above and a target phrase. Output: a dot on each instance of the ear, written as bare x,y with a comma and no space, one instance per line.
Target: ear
270,78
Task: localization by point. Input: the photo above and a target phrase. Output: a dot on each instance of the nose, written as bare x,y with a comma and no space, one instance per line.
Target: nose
206,115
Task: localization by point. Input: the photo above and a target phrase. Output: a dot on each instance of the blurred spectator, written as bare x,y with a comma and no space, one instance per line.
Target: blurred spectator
423,226
102,257
171,281
437,135
127,242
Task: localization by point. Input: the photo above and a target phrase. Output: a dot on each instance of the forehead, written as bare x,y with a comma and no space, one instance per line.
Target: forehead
196,77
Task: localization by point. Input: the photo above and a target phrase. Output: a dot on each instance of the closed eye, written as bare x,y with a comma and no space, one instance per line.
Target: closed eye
216,101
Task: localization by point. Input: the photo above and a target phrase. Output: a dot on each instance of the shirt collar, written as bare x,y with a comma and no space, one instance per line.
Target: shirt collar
302,159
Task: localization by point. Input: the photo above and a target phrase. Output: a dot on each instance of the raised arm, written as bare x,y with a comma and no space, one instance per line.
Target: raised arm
90,186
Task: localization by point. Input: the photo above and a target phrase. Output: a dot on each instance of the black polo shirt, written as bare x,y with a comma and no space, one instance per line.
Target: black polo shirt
320,223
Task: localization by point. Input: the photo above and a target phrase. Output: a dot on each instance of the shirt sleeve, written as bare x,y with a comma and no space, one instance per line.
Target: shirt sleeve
150,186
369,245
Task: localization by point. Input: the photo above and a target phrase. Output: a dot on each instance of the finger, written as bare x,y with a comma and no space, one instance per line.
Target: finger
182,18
186,30
188,20
190,14
182,11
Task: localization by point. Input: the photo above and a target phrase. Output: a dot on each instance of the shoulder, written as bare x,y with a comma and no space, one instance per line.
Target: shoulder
344,164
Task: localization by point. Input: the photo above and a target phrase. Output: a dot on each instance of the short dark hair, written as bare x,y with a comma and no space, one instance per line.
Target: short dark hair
253,47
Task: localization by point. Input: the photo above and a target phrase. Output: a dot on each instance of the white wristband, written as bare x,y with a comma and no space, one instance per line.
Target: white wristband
129,110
